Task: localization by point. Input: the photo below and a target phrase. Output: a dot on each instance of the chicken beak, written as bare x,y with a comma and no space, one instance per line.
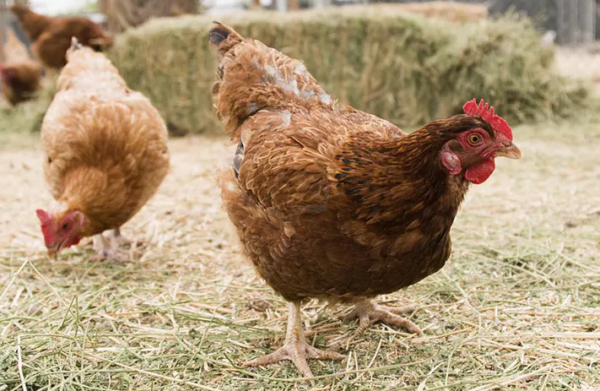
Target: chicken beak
52,253
54,250
511,151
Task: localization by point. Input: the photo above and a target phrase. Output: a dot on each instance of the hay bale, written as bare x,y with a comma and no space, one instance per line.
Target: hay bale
454,12
396,65
124,14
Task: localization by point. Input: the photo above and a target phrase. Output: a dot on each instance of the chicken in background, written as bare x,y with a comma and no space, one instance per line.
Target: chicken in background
106,154
333,203
20,75
51,37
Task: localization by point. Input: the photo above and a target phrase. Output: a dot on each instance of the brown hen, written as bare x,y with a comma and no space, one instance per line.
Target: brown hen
20,75
20,81
333,203
51,37
106,153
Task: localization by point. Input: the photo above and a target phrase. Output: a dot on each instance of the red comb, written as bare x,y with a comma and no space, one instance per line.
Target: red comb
486,112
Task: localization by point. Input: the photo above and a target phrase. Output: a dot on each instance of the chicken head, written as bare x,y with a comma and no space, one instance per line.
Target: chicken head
61,230
473,150
7,74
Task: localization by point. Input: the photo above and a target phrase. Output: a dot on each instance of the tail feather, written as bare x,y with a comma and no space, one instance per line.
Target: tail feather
75,45
218,35
224,37
252,77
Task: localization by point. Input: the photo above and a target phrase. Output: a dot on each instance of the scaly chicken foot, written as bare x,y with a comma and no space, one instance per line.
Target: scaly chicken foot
368,313
295,349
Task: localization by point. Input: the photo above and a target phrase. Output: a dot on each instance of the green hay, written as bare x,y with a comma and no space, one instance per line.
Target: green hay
398,66
26,117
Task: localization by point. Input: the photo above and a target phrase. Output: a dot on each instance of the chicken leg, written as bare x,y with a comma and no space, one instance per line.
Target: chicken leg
110,247
104,249
295,348
368,313
121,240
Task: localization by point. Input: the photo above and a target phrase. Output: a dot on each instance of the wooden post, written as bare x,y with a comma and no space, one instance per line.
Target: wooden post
322,3
573,21
561,30
293,5
568,21
281,5
587,21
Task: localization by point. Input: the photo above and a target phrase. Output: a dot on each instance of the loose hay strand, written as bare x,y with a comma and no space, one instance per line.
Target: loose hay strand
156,375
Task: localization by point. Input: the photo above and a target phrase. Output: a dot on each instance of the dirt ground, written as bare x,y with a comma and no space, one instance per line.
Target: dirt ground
516,307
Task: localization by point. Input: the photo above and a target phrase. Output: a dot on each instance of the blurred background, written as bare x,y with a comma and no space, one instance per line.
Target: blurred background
407,61
573,21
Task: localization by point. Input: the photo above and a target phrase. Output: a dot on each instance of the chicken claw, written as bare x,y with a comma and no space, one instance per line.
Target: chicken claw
121,240
295,349
369,313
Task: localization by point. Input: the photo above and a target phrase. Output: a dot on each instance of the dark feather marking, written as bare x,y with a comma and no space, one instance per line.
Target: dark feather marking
75,45
238,159
218,35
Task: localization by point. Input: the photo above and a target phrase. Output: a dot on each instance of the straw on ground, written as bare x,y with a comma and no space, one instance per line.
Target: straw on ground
516,307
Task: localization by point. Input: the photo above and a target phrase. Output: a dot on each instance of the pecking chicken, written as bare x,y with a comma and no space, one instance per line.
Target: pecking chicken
51,37
333,203
20,75
106,153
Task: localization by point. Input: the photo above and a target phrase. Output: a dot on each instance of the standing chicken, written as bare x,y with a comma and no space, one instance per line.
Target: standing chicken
20,75
106,153
51,37
333,203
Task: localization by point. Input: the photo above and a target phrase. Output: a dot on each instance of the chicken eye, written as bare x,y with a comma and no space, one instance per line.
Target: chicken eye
475,139
65,226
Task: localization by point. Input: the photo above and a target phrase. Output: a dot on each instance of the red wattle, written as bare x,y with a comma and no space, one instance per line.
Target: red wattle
479,173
